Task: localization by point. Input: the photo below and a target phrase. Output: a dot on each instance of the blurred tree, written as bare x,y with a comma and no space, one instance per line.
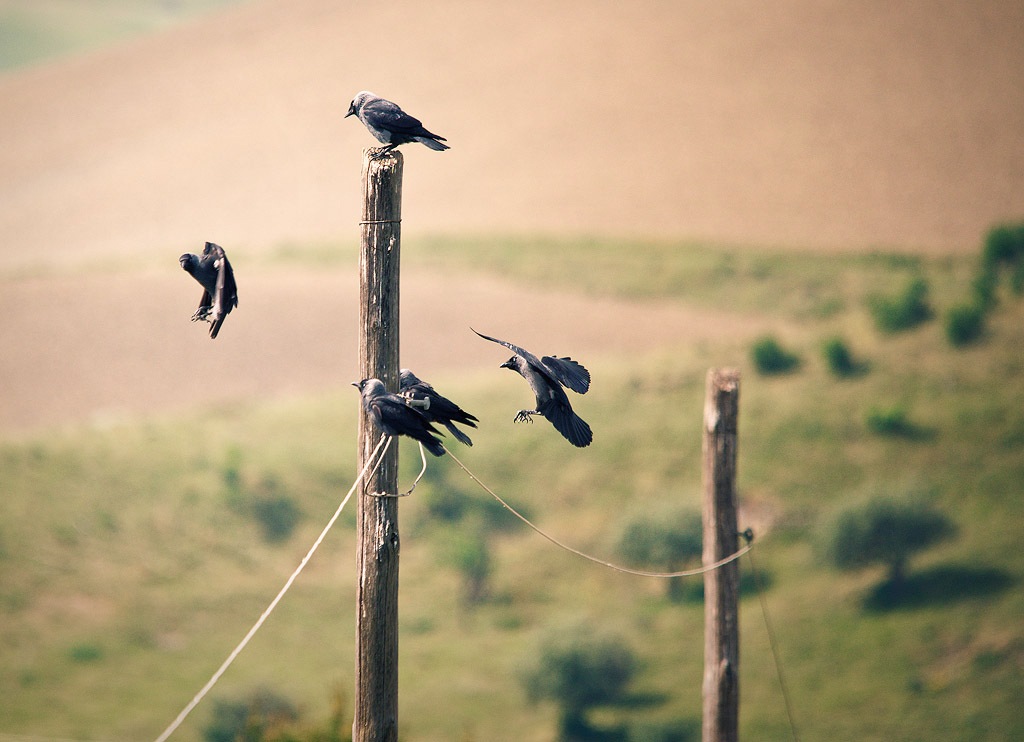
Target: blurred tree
664,540
578,668
466,550
884,530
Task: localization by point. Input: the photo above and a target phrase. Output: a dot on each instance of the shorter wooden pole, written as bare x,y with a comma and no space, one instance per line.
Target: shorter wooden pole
721,586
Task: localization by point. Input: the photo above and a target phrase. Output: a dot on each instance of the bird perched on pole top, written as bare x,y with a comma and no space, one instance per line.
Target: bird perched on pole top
214,274
390,124
546,376
435,407
392,416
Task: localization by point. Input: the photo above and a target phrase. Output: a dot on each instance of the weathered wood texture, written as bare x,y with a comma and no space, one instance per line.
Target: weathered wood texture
376,701
721,586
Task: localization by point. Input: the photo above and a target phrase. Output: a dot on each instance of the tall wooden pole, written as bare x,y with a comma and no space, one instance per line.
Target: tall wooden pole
376,711
721,586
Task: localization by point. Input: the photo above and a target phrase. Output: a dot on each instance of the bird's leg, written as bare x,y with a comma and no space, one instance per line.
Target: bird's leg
525,416
202,314
380,152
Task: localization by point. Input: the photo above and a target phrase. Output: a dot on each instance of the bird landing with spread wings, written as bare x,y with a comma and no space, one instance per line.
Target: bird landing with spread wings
546,377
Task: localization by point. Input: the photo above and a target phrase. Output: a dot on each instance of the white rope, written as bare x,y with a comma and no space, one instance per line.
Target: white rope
423,458
273,604
686,573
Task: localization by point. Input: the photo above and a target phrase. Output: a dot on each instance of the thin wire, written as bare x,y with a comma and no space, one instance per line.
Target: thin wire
556,542
423,457
273,604
775,650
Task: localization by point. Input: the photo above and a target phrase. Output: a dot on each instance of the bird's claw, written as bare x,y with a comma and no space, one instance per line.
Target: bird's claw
202,314
524,416
379,153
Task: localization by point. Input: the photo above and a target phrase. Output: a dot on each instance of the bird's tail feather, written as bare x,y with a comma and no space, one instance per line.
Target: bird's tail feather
568,423
433,445
459,435
433,144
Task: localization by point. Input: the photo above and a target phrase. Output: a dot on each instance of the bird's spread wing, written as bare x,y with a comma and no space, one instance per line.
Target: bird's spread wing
225,294
219,299
568,372
530,357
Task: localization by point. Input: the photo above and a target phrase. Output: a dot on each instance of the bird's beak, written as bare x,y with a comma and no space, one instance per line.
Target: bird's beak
506,364
351,111
355,384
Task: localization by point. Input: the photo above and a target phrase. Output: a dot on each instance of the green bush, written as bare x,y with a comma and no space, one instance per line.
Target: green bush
770,358
904,311
275,511
467,551
965,324
984,287
893,422
664,541
261,715
448,504
1003,247
85,652
840,360
1004,243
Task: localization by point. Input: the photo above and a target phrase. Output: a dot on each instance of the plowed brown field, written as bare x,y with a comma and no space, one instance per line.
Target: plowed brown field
829,125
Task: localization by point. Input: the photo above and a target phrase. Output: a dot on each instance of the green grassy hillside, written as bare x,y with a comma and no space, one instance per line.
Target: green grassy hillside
131,562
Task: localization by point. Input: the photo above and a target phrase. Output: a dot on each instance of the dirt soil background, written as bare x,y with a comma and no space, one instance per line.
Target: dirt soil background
800,123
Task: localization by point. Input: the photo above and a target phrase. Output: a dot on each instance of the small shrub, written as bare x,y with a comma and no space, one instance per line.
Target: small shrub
85,652
467,551
902,312
894,422
840,360
250,719
448,504
984,287
1004,243
275,511
965,324
770,358
664,541
231,476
